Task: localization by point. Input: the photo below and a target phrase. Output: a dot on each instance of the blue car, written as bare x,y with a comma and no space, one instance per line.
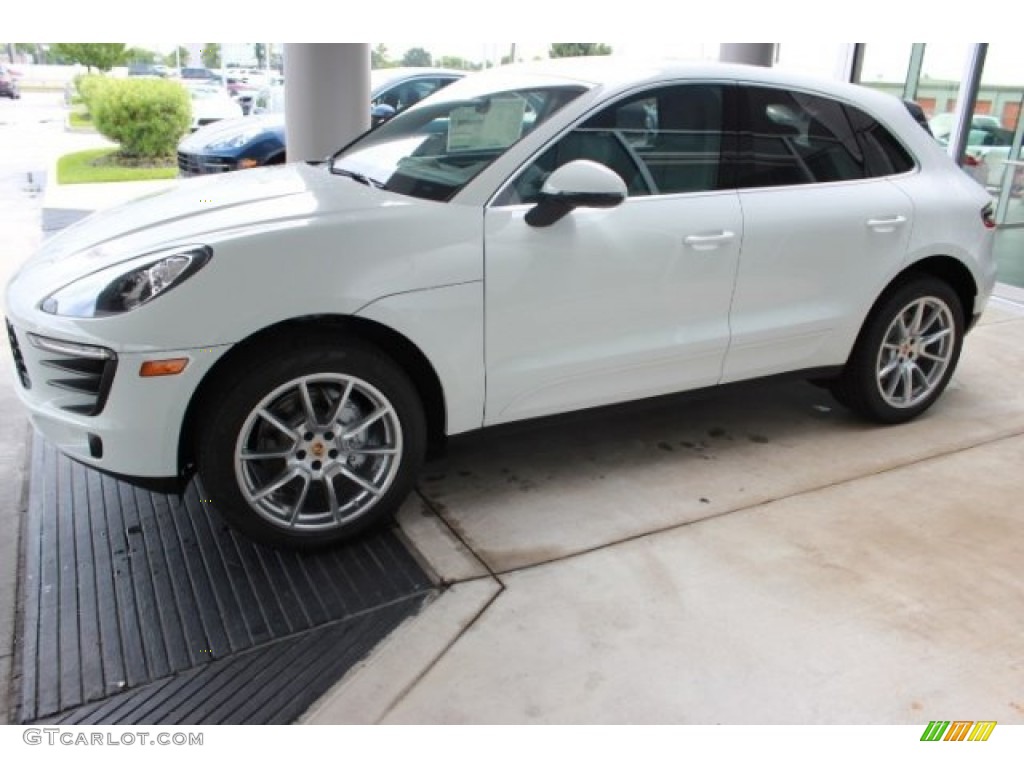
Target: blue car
259,139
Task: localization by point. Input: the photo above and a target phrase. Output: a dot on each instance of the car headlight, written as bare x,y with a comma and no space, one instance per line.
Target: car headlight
126,286
233,142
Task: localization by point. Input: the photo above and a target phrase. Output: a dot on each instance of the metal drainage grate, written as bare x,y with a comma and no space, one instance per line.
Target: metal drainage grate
143,608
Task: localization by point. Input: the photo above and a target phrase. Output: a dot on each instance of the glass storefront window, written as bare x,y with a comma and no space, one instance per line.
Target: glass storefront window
884,66
931,74
995,139
939,85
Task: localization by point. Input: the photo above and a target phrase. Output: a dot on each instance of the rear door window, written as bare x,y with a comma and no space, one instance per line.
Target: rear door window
792,138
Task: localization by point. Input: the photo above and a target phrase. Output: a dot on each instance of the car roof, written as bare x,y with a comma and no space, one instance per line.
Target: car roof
610,74
613,72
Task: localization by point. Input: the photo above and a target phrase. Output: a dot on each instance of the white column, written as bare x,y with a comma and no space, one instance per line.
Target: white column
326,97
761,54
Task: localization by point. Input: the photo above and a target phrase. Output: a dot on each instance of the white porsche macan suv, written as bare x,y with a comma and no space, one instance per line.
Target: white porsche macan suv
531,240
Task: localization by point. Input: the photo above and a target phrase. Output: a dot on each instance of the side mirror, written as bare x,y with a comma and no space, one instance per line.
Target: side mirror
577,184
381,113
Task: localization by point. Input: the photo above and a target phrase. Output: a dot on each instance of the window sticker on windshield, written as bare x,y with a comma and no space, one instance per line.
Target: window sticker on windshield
496,124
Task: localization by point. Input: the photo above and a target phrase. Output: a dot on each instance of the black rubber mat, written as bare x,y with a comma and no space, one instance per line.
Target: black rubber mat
272,684
139,596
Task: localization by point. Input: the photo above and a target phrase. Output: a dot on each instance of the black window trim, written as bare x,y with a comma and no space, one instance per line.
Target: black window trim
742,114
728,174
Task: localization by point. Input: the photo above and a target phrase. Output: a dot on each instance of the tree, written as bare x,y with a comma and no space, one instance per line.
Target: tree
260,51
147,117
379,57
417,57
562,50
178,57
457,62
103,56
25,48
211,55
139,56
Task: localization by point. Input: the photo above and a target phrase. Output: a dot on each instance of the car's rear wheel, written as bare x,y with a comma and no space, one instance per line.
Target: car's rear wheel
311,446
905,354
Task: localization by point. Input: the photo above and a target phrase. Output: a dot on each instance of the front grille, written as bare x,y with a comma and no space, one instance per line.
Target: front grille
19,361
197,165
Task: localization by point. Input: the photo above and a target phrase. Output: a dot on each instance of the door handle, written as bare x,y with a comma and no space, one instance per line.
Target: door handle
708,242
888,224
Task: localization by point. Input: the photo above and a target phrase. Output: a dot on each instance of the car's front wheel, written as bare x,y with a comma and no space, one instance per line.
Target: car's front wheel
305,447
905,354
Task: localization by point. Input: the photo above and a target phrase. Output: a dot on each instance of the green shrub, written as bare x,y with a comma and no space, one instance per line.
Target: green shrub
89,88
147,117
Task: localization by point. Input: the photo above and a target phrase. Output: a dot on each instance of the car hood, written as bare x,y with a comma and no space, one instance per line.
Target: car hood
228,129
199,211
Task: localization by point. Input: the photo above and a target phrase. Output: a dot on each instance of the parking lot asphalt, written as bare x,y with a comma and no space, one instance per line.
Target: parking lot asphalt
752,555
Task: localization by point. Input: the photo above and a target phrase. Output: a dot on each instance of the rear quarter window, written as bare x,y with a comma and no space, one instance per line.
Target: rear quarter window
885,155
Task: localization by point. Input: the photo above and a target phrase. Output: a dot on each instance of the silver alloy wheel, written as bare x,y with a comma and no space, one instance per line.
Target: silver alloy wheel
318,452
916,350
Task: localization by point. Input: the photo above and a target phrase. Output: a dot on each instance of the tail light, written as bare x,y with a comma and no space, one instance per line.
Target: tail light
988,217
972,161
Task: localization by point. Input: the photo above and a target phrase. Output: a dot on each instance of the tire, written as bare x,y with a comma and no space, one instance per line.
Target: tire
906,352
302,447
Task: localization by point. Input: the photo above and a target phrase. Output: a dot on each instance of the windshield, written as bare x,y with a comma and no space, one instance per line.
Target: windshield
434,149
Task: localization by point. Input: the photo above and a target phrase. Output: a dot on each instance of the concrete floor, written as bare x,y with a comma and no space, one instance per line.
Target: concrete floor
21,155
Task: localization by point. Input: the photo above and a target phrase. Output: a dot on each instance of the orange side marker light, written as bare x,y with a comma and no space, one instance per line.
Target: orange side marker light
170,367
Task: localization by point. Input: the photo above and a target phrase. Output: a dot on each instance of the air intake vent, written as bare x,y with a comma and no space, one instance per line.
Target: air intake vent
19,361
84,369
84,376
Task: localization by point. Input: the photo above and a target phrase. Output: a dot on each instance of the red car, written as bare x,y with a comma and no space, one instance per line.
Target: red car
9,83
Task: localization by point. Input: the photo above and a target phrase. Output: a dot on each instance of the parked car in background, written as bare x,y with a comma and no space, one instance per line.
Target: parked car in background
260,138
198,73
257,78
148,70
532,240
9,83
942,123
269,101
211,103
988,147
243,92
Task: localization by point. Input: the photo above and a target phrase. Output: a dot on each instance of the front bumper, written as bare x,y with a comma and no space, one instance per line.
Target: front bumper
200,165
118,422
